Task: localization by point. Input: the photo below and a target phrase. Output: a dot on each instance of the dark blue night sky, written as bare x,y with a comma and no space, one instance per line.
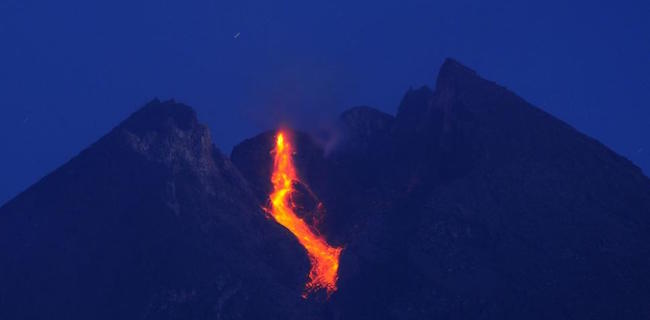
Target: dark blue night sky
71,70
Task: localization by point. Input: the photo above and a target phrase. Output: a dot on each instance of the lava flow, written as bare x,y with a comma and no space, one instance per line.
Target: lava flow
323,257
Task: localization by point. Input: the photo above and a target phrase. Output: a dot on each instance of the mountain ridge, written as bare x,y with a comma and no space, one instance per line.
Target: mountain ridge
469,203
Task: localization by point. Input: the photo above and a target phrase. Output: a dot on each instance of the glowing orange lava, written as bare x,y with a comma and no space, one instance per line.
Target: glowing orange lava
323,257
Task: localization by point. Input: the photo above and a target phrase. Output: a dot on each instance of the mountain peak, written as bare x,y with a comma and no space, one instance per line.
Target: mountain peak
157,115
453,66
167,132
413,108
366,119
453,73
459,85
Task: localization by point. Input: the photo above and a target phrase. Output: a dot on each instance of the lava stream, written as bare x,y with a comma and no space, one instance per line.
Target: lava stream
323,257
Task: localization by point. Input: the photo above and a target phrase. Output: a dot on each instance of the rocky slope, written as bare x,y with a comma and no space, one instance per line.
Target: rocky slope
150,222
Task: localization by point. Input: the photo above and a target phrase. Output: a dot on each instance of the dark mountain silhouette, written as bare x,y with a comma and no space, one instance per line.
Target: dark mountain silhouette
469,203
150,222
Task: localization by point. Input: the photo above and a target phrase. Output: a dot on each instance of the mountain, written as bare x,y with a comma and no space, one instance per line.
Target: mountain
468,203
150,222
512,213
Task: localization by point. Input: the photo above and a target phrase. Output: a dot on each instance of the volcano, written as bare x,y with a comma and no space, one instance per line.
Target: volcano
468,203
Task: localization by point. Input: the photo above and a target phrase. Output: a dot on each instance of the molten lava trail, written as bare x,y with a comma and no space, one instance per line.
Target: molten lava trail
323,257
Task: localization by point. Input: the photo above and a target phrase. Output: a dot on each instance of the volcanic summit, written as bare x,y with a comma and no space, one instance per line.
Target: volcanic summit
468,203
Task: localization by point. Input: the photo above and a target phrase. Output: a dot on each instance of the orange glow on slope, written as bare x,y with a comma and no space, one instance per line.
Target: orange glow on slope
323,257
